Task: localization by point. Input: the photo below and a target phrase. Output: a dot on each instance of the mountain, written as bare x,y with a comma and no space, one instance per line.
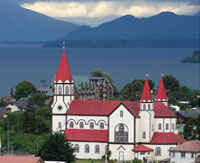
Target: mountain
17,24
194,58
165,26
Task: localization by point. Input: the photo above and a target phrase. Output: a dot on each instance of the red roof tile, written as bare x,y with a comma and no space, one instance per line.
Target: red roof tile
197,159
98,107
86,135
166,138
162,111
63,72
17,159
188,146
161,94
141,148
146,93
165,160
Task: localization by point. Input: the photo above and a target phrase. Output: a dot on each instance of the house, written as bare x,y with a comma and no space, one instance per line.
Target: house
188,152
20,159
19,105
144,129
3,113
184,116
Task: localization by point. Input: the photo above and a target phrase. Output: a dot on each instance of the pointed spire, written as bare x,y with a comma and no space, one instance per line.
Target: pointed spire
63,72
146,93
161,94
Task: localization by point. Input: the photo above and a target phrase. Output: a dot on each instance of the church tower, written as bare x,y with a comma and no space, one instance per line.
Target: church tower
161,95
146,114
63,94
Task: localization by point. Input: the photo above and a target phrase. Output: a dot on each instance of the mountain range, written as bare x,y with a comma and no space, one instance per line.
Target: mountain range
165,26
19,24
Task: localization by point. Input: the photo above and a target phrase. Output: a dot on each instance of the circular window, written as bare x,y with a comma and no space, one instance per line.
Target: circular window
59,107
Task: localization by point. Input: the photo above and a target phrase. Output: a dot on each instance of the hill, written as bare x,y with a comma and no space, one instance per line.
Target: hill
165,26
19,24
194,58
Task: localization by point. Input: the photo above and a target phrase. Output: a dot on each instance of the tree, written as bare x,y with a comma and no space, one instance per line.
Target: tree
171,83
57,148
100,73
11,92
23,89
132,91
39,99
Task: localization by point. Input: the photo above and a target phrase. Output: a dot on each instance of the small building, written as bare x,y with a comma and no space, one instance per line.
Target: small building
188,152
184,116
3,113
19,105
20,159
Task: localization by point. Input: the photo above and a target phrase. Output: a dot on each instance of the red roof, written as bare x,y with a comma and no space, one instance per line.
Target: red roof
98,107
86,135
63,72
17,159
161,94
162,111
197,159
146,93
141,148
166,138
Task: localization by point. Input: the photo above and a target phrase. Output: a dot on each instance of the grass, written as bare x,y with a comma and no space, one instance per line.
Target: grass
87,161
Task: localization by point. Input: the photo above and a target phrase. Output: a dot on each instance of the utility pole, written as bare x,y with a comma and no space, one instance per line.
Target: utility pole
8,137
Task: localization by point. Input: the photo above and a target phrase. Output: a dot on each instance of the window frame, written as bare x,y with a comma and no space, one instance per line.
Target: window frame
76,148
87,148
97,148
71,124
81,125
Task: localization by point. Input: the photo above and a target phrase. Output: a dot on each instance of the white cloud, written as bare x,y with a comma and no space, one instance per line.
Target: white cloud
100,9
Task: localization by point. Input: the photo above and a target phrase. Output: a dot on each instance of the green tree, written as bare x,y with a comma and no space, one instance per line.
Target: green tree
57,148
171,83
100,73
136,160
23,89
39,99
11,92
132,91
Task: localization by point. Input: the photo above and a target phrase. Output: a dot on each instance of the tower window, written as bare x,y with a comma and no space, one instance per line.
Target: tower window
172,126
72,90
149,107
159,126
97,149
76,148
67,90
144,107
59,125
59,90
87,148
158,151
121,113
91,125
81,125
144,135
101,125
71,125
167,126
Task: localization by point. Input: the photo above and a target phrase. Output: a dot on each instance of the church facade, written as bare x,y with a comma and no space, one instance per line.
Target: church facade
144,129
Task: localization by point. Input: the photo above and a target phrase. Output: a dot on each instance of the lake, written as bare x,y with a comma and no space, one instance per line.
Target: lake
34,63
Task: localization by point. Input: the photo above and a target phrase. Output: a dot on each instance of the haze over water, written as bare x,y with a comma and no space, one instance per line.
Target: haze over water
33,63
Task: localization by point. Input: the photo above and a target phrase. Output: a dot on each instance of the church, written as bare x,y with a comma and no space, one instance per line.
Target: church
144,129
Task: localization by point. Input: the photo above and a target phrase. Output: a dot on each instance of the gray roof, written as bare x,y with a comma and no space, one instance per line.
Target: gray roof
2,112
20,103
190,114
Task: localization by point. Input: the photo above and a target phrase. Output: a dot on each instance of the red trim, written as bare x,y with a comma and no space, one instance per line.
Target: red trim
146,93
161,94
141,148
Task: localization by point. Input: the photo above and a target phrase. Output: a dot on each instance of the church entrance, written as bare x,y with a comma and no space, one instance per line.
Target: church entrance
121,156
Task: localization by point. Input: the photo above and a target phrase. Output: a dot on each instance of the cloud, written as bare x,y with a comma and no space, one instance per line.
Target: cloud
100,9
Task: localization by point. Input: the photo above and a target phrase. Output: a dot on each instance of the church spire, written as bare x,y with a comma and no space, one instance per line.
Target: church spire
161,94
146,93
63,72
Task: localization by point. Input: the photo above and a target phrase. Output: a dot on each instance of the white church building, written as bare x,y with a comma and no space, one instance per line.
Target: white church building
144,129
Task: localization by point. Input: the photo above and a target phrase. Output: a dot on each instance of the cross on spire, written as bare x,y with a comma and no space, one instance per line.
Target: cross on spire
64,44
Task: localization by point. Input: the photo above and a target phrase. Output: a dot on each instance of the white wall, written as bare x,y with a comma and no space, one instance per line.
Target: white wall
187,159
163,122
55,120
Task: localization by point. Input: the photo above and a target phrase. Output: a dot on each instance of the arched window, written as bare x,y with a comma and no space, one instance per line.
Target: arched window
144,135
159,126
71,125
59,90
81,125
55,90
76,148
121,113
172,126
72,90
91,125
167,126
144,107
66,90
87,148
158,151
101,125
97,149
59,125
120,134
149,107
106,148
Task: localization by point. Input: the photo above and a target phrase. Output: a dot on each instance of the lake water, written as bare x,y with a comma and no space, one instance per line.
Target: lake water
33,63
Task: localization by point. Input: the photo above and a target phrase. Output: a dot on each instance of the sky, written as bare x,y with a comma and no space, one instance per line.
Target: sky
94,12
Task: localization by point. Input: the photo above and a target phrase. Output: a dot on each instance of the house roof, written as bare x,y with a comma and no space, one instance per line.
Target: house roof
161,94
17,159
141,148
63,72
2,112
162,111
99,107
188,146
146,93
165,160
190,113
166,138
197,159
86,135
20,103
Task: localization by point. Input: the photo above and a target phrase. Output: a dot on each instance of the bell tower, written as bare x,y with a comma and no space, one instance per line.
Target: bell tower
63,94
